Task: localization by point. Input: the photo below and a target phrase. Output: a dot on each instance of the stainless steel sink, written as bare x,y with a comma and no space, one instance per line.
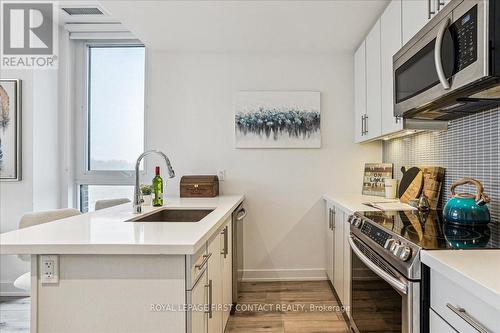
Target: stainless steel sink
174,215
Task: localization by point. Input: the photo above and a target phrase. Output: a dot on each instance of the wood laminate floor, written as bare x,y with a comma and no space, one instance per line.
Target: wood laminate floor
15,315
276,307
287,307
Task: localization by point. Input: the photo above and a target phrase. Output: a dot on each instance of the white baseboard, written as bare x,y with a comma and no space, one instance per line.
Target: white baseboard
7,289
307,274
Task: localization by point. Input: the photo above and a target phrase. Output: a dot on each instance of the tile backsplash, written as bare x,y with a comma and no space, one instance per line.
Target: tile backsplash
470,148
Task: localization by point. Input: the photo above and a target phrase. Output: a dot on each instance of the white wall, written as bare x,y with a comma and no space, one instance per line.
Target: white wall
191,118
16,198
39,188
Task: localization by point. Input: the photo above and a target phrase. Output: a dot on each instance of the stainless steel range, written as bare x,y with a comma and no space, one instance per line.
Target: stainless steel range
389,284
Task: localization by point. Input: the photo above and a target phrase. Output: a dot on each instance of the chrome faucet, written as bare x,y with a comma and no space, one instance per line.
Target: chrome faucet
137,192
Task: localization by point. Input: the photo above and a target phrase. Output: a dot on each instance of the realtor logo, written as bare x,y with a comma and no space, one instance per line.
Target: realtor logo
28,35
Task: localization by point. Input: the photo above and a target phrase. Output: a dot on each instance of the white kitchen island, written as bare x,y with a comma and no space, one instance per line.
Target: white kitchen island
119,276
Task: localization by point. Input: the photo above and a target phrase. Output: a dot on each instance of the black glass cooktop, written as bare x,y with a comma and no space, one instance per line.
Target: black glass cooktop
429,230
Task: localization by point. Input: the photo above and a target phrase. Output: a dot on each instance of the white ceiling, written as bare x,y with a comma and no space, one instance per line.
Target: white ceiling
250,26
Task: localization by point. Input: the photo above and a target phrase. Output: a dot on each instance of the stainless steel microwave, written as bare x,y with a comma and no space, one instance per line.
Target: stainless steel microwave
451,68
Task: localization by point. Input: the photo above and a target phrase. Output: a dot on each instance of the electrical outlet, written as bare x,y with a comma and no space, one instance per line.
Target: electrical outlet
49,268
221,174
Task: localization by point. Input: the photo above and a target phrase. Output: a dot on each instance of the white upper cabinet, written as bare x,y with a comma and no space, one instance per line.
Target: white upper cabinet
373,79
390,41
415,14
373,90
359,92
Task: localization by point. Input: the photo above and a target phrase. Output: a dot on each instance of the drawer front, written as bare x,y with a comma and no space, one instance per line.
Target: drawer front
460,308
438,325
198,264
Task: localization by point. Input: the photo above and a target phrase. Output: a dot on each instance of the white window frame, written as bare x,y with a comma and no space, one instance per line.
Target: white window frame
83,176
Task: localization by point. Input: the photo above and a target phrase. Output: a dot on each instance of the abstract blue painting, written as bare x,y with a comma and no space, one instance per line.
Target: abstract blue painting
278,119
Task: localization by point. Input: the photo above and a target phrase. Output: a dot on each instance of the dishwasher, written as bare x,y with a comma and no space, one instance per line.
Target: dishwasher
238,217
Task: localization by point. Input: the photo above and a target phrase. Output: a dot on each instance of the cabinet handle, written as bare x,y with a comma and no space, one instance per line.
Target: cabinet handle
366,124
362,125
468,318
439,4
204,262
241,214
431,12
209,286
226,241
397,119
225,250
333,218
329,218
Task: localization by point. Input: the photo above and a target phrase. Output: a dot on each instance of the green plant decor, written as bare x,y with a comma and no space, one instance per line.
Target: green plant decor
146,189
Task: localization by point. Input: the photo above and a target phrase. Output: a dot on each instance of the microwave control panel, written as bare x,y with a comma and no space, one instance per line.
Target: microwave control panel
465,39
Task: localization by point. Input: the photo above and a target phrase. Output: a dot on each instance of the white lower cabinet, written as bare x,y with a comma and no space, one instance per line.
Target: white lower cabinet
338,252
347,265
438,325
214,286
461,308
199,300
227,273
219,284
329,241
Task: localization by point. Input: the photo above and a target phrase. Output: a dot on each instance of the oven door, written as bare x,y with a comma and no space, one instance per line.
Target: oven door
445,57
382,300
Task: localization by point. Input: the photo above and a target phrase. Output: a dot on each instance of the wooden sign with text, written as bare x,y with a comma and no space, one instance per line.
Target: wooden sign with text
374,176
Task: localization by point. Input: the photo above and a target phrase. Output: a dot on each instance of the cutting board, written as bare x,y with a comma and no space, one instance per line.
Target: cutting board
411,184
433,181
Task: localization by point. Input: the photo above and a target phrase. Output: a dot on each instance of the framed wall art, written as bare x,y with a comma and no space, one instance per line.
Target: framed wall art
10,130
277,119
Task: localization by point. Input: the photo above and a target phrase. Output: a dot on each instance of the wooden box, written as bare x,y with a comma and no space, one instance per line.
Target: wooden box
199,186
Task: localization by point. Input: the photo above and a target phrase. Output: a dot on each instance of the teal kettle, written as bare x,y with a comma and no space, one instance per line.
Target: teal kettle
466,208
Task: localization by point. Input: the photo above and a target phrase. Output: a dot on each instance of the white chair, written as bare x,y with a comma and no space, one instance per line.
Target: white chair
101,204
31,219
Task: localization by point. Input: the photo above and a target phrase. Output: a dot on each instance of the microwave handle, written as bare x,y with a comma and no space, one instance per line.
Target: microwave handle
395,283
437,54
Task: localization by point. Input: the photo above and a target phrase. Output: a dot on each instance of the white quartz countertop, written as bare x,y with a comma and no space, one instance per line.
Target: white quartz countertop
478,271
107,232
353,202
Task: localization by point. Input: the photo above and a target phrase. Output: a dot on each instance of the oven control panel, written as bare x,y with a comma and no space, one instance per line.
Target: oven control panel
394,246
378,236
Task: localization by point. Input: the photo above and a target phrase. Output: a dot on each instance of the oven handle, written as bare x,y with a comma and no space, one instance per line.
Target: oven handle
395,283
437,54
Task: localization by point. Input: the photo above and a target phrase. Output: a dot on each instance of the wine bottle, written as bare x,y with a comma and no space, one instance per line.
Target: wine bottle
158,189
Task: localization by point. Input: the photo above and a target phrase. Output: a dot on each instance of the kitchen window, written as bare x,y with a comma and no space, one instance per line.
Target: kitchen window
111,124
